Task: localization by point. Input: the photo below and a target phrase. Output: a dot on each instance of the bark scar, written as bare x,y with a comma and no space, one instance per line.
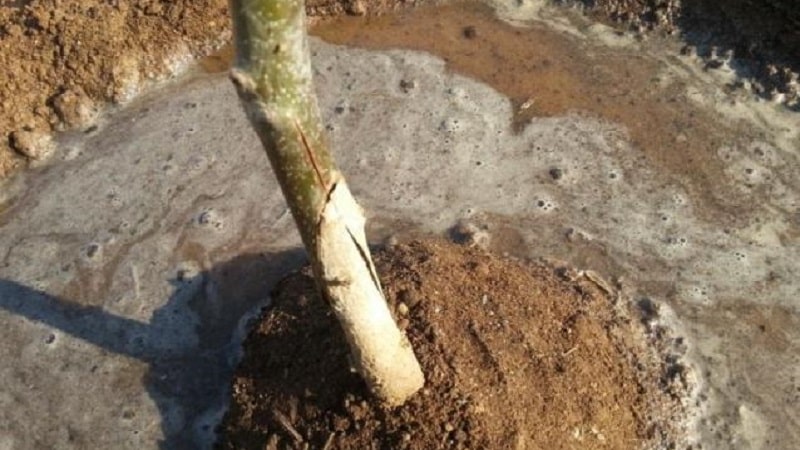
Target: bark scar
312,159
336,282
364,253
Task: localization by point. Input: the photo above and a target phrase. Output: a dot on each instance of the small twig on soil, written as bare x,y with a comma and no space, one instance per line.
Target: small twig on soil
598,281
567,353
329,441
527,104
283,421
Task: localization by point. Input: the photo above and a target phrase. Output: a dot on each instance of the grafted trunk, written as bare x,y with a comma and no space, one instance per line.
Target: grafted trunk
272,74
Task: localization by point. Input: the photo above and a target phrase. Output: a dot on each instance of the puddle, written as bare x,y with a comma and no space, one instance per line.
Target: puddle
547,73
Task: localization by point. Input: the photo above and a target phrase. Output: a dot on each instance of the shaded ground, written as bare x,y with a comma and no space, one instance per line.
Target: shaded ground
762,36
169,360
514,357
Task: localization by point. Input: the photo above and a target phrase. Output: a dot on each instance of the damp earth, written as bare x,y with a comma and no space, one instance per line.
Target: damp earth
608,148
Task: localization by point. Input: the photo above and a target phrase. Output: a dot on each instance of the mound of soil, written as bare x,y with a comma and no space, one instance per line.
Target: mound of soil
62,60
516,355
59,60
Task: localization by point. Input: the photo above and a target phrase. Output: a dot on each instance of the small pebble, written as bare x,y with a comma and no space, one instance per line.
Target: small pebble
403,324
402,309
407,85
74,108
92,250
34,145
392,241
357,7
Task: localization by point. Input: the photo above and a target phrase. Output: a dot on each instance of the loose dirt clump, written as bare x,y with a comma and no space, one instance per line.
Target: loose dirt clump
515,356
61,60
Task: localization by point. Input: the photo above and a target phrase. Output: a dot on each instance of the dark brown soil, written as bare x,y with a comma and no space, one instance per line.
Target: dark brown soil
515,355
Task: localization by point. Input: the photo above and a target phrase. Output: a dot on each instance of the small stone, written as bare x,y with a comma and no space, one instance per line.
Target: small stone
357,7
34,145
402,309
407,85
392,241
403,324
556,173
14,30
74,108
211,219
92,250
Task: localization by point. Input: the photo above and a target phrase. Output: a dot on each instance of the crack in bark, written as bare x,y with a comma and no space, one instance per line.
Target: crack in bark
312,159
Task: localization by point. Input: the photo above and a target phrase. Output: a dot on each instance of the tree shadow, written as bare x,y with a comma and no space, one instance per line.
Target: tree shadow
191,343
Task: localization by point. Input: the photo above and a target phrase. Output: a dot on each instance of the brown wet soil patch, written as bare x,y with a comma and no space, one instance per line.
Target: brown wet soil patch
515,356
547,73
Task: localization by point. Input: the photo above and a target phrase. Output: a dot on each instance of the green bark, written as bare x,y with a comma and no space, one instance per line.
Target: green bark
272,74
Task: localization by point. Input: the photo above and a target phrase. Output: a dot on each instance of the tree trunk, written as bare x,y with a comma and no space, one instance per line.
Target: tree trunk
272,74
